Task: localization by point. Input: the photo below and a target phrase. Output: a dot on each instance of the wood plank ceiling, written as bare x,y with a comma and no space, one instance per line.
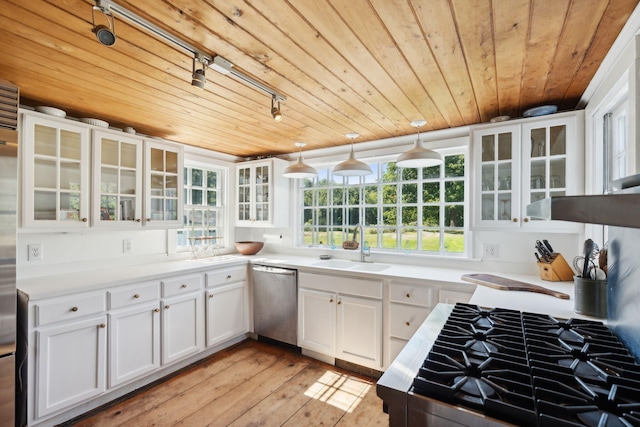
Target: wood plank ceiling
369,66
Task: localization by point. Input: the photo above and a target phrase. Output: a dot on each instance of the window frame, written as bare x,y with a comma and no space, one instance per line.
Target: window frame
221,208
346,227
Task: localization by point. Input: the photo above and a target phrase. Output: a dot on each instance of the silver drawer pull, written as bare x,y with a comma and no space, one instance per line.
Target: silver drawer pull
74,309
136,296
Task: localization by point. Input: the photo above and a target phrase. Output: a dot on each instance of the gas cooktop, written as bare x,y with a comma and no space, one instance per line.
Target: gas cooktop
527,369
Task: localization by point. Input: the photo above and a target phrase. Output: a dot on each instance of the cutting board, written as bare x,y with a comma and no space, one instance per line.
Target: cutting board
505,284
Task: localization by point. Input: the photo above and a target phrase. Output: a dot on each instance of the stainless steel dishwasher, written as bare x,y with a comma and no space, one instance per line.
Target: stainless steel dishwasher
275,303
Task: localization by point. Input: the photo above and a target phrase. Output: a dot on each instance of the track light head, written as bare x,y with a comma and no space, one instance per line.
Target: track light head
198,77
275,111
106,34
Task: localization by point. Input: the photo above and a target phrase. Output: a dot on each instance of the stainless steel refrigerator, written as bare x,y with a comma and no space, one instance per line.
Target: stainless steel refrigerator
8,224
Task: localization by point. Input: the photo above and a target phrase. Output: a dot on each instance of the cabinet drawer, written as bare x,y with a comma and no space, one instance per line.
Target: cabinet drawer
135,294
181,284
69,308
406,319
226,275
411,294
370,288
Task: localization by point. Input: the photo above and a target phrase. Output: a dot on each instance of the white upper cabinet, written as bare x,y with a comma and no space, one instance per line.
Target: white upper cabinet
520,162
258,184
163,184
117,180
55,173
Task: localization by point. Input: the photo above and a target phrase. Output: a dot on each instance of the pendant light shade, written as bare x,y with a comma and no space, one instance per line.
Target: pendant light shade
300,169
352,166
418,156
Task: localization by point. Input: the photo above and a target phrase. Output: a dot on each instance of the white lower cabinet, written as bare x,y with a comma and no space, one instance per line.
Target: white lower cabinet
226,312
71,364
341,317
317,320
359,330
134,342
182,322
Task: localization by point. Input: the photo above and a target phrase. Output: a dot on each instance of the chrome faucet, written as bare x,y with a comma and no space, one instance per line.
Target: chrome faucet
363,253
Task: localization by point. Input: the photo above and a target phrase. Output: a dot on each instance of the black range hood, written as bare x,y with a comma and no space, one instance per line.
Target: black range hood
621,208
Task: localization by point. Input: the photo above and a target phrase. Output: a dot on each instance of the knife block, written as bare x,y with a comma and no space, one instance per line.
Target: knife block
556,270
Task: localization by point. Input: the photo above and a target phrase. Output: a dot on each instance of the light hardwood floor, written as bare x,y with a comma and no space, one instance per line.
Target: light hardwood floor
251,384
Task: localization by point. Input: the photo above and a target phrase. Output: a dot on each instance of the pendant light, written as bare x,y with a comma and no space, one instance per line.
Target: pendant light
352,166
418,156
300,169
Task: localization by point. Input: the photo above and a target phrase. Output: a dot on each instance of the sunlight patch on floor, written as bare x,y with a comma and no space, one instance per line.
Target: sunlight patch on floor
342,391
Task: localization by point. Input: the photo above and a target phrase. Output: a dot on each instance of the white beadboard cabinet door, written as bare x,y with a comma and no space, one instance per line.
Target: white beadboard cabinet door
134,342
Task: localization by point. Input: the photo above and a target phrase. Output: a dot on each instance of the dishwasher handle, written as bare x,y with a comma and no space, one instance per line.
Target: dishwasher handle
274,270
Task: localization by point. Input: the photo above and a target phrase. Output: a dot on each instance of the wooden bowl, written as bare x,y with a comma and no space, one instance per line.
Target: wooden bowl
248,248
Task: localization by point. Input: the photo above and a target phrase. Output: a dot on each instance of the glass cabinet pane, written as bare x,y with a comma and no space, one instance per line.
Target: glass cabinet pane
45,140
45,173
44,205
70,145
538,174
488,148
127,182
109,180
538,142
172,162
108,208
171,186
558,140
157,160
109,152
128,155
69,206
70,176
157,185
488,177
488,208
557,172
127,209
157,209
504,176
504,207
504,146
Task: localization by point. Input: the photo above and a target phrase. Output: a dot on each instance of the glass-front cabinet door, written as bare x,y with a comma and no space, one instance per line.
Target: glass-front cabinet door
117,179
498,175
545,163
55,173
163,184
254,188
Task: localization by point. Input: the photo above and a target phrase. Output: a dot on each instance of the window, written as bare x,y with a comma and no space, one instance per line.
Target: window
203,221
411,210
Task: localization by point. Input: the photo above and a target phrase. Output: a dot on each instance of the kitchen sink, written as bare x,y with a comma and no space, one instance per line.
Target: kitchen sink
370,267
334,263
360,266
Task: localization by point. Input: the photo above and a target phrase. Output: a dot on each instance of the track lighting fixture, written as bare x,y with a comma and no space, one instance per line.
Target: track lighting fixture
106,34
352,166
300,169
275,111
418,156
198,77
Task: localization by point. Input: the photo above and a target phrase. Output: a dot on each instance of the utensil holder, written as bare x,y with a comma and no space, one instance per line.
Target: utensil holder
590,297
556,270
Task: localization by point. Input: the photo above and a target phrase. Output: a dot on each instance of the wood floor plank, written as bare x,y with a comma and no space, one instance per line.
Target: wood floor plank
251,384
121,413
229,407
203,394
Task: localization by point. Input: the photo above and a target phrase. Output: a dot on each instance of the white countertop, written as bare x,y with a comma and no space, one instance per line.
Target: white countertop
65,284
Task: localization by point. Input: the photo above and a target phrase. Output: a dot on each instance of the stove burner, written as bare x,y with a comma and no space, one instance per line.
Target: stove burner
533,370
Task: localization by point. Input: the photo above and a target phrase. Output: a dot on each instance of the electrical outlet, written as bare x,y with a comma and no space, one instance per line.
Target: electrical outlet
127,246
489,251
35,252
